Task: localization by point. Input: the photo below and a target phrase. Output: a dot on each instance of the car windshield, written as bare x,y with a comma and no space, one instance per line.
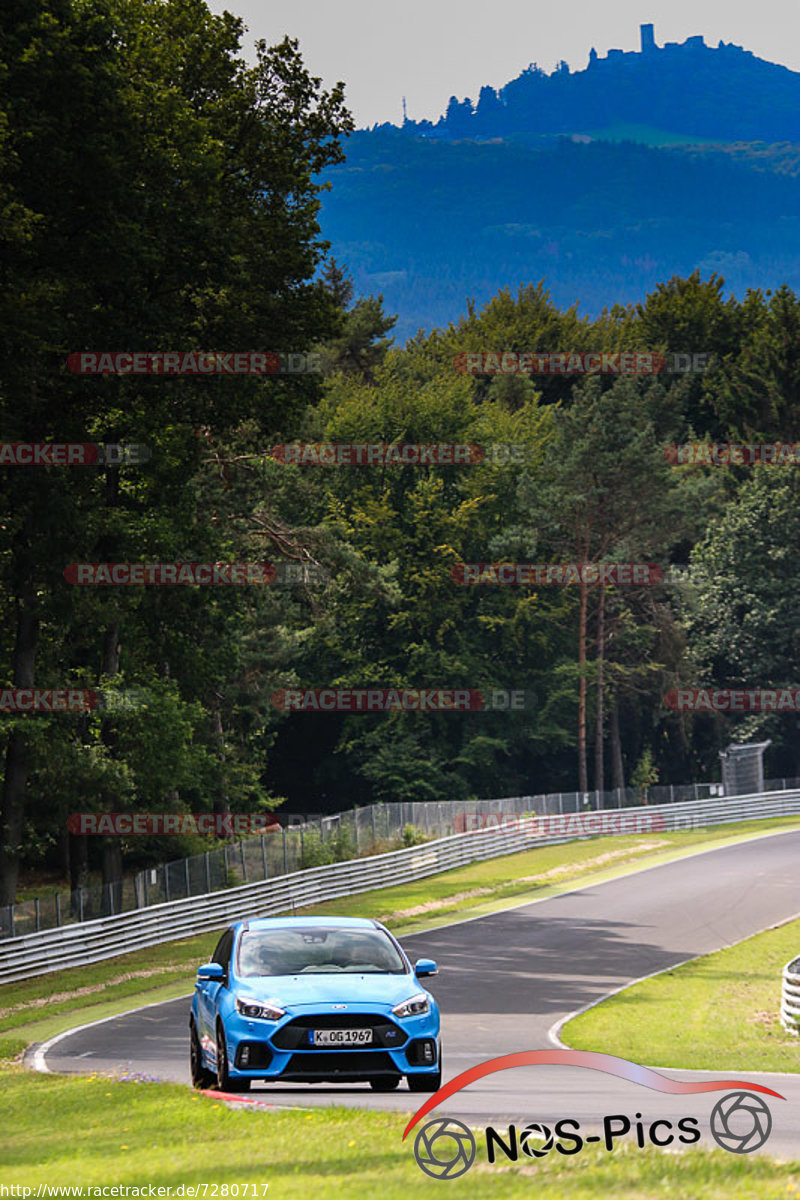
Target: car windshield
318,951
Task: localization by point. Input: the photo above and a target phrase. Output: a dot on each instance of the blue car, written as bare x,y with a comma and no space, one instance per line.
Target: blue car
313,1000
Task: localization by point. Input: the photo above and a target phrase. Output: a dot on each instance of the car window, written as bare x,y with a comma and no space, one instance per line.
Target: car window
222,954
320,951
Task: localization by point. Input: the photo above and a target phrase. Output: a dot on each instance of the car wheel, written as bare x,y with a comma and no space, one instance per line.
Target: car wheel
224,1081
425,1083
201,1077
384,1083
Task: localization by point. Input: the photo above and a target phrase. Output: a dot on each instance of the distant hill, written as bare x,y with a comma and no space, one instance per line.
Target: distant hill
687,90
697,166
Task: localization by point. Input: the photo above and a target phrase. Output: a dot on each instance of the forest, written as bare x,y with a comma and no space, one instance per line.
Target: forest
185,217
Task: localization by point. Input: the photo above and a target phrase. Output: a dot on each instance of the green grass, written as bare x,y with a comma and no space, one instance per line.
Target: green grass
717,1013
35,1009
92,1131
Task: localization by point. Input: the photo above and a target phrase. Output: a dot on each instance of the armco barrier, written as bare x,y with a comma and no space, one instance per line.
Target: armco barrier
91,941
297,841
790,997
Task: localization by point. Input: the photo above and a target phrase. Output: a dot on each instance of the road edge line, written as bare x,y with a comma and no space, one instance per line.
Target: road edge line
36,1054
553,1033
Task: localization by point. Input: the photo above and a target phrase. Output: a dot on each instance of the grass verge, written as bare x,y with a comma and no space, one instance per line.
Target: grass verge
35,1009
716,1013
91,1131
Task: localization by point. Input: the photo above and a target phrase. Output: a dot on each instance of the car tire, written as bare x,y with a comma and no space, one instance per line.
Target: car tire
201,1076
429,1082
224,1081
384,1083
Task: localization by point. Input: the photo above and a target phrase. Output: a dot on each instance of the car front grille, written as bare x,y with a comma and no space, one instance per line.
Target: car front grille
295,1034
333,1065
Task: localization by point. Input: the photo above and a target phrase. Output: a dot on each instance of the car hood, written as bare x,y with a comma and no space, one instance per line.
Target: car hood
300,990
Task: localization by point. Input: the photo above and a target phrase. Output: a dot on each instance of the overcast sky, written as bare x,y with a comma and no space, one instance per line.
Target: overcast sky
429,50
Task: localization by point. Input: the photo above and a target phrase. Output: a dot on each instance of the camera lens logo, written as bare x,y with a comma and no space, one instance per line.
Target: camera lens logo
532,1134
444,1148
740,1122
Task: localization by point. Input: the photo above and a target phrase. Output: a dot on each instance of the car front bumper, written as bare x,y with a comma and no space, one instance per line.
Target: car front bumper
284,1050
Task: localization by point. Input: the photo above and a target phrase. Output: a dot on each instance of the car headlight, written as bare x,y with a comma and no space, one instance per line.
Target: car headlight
266,1010
414,1007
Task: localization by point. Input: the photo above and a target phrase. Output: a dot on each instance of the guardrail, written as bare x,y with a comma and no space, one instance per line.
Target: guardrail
107,937
790,997
294,843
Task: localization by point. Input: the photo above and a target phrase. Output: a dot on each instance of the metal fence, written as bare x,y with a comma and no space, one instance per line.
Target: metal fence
106,937
300,844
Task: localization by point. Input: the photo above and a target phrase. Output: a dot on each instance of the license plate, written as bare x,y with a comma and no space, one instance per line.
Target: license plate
341,1037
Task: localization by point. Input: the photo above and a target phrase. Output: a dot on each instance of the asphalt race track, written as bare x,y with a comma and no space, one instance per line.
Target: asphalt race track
506,979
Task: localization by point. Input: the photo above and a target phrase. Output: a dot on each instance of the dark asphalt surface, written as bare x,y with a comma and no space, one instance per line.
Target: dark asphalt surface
506,979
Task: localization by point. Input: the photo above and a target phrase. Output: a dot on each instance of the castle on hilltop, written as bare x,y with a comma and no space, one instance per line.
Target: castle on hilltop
690,90
649,48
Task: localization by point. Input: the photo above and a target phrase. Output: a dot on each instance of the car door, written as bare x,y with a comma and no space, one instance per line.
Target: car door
208,989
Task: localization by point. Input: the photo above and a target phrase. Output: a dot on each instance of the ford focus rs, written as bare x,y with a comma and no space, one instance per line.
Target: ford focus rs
312,1000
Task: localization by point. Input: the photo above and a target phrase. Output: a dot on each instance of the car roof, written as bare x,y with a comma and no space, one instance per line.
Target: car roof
257,923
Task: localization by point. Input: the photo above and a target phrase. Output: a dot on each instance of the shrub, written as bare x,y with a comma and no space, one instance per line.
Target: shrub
412,836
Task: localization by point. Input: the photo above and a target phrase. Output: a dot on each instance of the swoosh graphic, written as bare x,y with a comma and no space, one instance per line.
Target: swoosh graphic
593,1061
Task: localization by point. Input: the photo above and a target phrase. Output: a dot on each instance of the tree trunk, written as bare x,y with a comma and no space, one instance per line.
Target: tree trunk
111,649
63,852
111,849
617,766
599,764
78,861
18,758
583,775
78,843
220,802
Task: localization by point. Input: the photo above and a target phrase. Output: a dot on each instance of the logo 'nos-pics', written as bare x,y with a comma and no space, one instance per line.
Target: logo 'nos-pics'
446,1148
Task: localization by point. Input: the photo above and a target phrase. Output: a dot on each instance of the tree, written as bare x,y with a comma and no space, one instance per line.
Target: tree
608,496
692,316
741,607
759,395
361,344
489,111
403,621
171,202
458,117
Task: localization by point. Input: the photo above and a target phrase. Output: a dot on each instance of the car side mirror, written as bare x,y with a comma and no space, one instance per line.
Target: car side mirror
210,971
425,966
